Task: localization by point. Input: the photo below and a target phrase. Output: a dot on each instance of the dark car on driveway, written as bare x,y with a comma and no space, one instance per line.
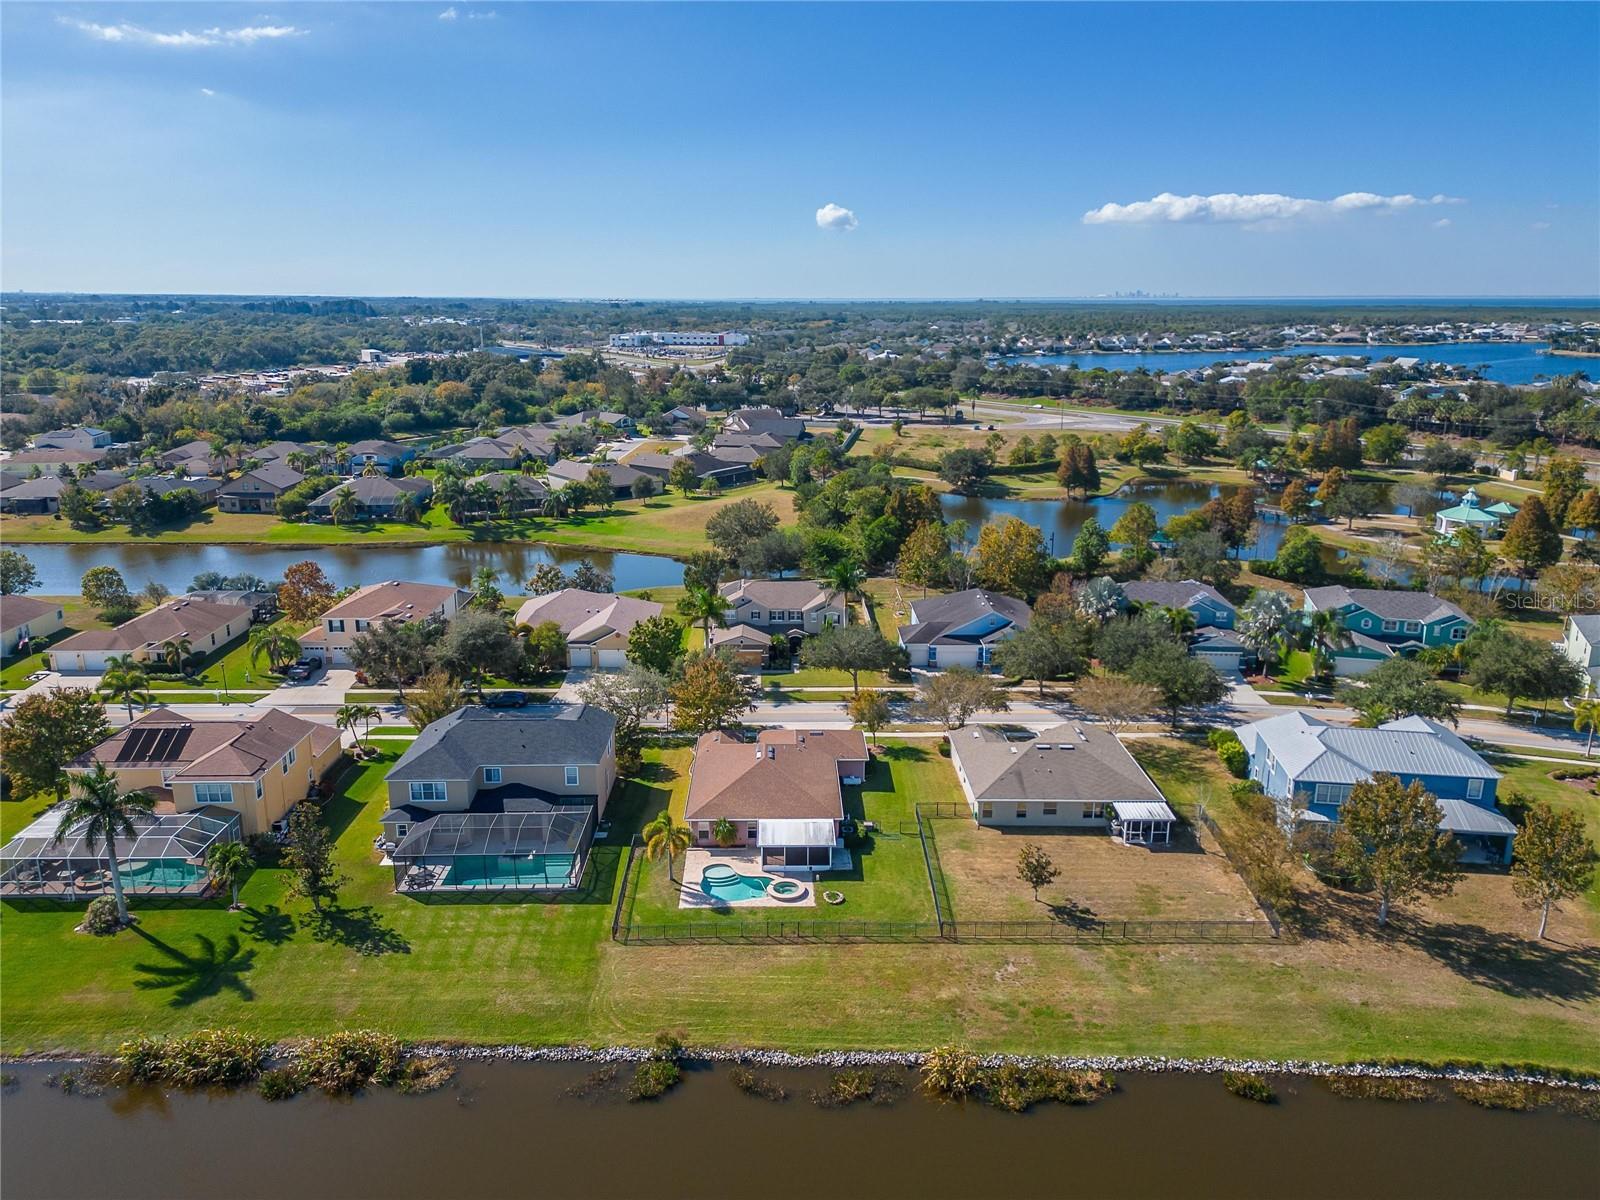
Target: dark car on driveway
305,668
505,699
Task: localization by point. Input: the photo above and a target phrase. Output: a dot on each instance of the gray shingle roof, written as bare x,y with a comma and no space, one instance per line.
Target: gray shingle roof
1587,624
1391,606
1067,762
1177,594
931,618
455,746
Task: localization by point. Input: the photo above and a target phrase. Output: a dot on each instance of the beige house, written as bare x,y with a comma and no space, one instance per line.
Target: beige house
785,606
259,769
26,619
374,604
206,626
783,793
748,646
595,624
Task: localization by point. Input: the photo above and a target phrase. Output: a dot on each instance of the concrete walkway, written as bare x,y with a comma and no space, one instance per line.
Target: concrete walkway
325,690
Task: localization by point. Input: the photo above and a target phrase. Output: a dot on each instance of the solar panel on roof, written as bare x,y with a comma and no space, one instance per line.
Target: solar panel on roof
135,746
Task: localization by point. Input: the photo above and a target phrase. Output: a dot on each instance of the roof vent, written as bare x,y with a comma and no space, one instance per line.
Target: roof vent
772,752
1013,749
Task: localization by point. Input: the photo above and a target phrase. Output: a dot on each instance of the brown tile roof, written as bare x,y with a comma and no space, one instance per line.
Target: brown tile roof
783,774
15,610
393,598
181,617
207,747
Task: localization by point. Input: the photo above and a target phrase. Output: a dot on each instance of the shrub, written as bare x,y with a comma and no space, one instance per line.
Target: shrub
346,1062
280,1083
654,1077
1231,751
1018,1088
100,918
1502,1094
205,1058
1249,1086
751,1084
666,1046
420,1075
951,1072
1378,1087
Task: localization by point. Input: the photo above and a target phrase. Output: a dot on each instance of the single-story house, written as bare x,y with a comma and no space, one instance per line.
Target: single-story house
782,793
1580,642
259,768
1209,606
707,466
377,496
748,646
391,600
622,475
389,456
500,800
530,492
961,629
42,496
480,453
1077,776
788,606
198,455
25,619
85,437
765,420
257,491
280,451
197,468
595,624
51,459
206,626
263,604
535,441
1379,624
1309,767
164,485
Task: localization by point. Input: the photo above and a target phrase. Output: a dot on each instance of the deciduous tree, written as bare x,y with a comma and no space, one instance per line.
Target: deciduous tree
1555,859
710,693
1388,837
1115,699
17,573
1035,867
953,696
313,875
1399,687
1011,558
870,710
306,592
852,648
656,643
44,732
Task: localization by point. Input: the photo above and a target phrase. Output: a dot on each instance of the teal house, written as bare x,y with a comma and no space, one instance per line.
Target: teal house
1380,624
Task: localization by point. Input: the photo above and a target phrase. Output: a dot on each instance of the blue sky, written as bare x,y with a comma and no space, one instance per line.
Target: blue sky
691,151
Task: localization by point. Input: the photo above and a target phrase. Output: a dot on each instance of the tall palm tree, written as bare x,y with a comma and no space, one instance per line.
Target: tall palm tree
351,715
846,578
345,506
372,470
299,460
1181,620
274,643
703,605
125,680
405,508
228,862
555,504
1586,715
106,813
664,837
176,651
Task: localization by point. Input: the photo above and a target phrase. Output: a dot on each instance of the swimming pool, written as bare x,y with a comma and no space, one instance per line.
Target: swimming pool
500,871
724,883
159,875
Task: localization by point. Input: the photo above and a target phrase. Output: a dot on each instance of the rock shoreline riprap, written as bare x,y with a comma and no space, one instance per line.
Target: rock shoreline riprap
841,1059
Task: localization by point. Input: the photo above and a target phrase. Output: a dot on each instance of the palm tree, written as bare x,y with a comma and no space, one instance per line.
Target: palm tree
125,680
345,506
372,470
664,837
555,504
846,578
273,642
299,460
106,813
351,715
405,508
1181,620
228,862
176,651
1586,715
705,606
724,832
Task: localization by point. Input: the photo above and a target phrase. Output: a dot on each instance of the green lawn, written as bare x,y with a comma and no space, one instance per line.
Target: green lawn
546,972
14,671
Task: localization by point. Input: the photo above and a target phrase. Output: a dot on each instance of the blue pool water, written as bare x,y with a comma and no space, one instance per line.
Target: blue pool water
159,874
495,871
740,887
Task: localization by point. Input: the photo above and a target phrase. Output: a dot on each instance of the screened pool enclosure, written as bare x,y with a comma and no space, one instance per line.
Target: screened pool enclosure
165,857
496,852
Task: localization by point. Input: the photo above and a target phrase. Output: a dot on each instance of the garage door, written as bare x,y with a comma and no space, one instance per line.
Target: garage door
613,660
1222,661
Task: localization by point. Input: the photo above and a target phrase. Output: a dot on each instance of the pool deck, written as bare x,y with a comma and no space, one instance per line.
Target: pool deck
746,861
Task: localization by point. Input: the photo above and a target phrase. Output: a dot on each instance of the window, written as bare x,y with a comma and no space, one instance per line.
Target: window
988,811
401,830
258,789
1332,793
572,776
213,793
428,793
491,775
1022,812
1413,626
755,614
752,832
1048,810
288,760
1093,811
361,624
336,625
1458,634
1474,789
1390,626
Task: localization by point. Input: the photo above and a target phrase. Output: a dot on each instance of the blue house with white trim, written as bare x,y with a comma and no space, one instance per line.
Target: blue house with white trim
1380,624
1308,764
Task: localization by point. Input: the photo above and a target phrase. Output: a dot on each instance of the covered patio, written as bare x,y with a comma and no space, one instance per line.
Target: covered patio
1484,834
1142,822
797,845
166,856
496,852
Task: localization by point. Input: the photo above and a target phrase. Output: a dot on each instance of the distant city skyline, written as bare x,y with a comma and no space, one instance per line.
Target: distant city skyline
802,151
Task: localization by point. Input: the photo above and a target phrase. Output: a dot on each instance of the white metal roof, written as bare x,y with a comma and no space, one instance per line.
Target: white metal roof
794,833
1462,816
1142,810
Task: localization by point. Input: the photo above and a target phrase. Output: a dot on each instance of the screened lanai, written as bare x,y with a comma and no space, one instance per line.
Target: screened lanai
496,852
165,857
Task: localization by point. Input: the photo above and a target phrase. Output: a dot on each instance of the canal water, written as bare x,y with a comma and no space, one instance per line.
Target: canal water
1503,362
513,1130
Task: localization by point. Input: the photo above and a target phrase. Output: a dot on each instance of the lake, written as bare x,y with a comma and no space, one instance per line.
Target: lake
61,567
510,1129
1505,362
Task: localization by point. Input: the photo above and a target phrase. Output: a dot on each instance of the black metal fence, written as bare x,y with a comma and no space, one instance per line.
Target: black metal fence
1267,910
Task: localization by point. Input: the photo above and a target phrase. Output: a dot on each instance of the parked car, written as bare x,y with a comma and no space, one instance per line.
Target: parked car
305,668
505,699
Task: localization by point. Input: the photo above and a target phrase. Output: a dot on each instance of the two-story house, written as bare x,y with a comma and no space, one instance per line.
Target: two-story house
1214,617
1309,767
1580,642
1380,624
595,624
257,491
377,497
792,607
393,600
388,456
961,629
500,800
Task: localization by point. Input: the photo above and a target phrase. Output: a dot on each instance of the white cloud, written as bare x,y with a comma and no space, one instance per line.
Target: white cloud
487,14
207,92
1539,226
183,39
836,218
1232,207
448,14
1443,223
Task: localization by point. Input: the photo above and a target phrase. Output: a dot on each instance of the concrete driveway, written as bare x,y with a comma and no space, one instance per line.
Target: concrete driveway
324,689
567,693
